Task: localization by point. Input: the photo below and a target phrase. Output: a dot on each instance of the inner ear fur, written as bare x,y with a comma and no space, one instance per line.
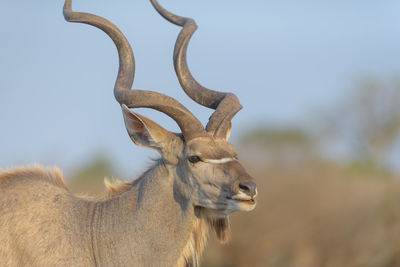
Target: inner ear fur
226,134
146,133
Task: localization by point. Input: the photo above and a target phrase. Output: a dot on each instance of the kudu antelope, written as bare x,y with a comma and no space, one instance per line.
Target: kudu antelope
160,219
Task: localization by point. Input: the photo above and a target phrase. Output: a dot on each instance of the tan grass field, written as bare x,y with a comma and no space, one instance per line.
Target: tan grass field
316,215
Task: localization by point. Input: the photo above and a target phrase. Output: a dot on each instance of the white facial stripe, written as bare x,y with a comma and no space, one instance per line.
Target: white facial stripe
219,161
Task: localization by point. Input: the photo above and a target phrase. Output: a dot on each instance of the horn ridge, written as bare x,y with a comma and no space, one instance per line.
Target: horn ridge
226,105
191,127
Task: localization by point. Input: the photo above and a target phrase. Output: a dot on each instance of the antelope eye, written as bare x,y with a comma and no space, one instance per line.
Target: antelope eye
194,159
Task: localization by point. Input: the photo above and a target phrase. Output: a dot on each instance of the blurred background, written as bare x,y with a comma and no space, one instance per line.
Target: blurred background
320,128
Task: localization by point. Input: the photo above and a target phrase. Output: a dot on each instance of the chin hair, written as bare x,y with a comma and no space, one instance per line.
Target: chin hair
218,223
221,227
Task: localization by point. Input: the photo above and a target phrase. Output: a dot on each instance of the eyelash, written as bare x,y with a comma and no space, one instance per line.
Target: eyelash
194,159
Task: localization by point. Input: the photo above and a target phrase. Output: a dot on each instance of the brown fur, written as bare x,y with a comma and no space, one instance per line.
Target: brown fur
202,224
53,176
116,187
222,229
201,227
198,239
195,245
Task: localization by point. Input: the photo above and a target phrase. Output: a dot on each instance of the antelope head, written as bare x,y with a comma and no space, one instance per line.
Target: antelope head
205,164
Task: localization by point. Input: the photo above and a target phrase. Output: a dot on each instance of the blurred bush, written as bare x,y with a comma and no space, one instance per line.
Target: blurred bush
89,178
367,122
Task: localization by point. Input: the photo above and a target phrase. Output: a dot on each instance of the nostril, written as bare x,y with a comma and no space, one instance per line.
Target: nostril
248,188
244,187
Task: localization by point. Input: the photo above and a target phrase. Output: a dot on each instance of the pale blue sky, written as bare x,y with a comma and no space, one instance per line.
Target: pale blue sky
284,59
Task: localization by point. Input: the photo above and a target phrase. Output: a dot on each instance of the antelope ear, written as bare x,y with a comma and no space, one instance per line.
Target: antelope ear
146,133
223,133
228,132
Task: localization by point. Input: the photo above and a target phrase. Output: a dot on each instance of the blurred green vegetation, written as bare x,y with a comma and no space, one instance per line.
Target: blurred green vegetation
367,122
267,137
89,177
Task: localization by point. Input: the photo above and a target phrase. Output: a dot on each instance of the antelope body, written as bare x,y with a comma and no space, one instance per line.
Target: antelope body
160,219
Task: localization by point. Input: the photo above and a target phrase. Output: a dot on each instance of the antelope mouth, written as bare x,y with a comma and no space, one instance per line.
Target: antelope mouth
251,201
247,200
243,198
242,204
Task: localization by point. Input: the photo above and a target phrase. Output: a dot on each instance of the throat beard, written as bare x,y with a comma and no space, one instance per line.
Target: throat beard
221,228
198,239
